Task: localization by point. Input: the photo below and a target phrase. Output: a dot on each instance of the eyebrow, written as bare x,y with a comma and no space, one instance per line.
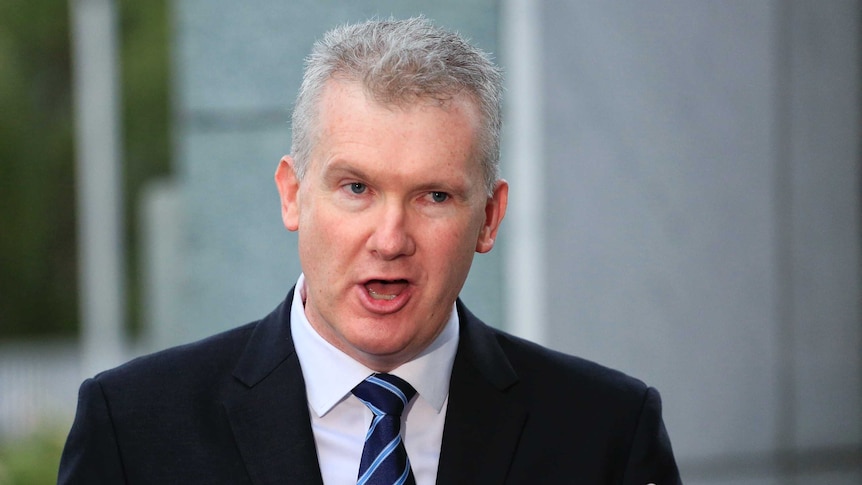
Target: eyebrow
340,168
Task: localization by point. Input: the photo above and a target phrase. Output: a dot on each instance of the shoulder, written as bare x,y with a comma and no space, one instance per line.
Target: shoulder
536,363
211,362
599,423
200,365
540,374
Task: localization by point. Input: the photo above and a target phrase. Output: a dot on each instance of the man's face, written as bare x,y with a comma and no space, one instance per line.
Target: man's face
389,213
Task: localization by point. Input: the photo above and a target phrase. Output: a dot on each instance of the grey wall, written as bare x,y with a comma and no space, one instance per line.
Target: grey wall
702,213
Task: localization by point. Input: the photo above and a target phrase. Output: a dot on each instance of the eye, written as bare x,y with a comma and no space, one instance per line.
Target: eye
357,188
439,197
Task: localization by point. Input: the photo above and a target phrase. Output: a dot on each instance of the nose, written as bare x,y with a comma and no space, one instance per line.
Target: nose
390,237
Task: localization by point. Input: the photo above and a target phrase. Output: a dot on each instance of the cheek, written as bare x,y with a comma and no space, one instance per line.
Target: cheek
459,238
327,237
319,223
316,241
452,248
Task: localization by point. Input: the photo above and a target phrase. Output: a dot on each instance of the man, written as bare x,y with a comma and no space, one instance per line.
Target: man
392,186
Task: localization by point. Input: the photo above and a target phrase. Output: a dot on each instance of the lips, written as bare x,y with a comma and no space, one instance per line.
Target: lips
385,290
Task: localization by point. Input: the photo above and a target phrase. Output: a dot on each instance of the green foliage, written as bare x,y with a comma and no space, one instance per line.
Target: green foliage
38,272
37,252
32,460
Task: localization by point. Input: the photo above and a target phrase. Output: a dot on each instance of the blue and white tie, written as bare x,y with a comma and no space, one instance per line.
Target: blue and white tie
384,458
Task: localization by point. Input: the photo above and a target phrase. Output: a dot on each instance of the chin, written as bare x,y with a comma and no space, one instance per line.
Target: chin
381,349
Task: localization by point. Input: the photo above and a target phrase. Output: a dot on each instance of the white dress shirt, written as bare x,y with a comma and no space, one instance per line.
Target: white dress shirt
340,421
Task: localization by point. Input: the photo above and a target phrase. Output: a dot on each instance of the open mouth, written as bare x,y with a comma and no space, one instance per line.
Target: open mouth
385,289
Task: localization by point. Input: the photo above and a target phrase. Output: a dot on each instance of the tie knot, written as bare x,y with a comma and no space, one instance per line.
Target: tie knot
384,394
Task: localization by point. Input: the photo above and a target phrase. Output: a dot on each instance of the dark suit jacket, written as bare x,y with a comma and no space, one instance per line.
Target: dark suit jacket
232,409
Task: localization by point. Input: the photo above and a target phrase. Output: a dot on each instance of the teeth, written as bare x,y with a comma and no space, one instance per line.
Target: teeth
380,296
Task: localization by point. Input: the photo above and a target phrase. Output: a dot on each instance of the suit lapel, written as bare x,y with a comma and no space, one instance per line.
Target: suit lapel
485,414
269,412
269,415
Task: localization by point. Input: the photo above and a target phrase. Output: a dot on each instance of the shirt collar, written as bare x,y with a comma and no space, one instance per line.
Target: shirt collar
330,374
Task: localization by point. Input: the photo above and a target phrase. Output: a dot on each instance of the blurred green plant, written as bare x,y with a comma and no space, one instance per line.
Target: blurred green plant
38,271
37,254
32,460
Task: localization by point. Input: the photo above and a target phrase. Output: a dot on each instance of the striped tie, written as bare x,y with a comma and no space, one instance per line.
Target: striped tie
384,458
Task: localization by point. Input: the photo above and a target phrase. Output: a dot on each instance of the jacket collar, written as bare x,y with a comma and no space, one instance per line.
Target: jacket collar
269,412
270,419
486,412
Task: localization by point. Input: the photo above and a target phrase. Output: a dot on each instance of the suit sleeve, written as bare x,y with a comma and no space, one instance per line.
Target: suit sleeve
651,457
91,454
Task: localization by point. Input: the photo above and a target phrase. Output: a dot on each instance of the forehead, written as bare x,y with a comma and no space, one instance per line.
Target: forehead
438,133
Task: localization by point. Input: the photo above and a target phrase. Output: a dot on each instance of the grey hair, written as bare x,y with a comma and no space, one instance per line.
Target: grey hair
400,62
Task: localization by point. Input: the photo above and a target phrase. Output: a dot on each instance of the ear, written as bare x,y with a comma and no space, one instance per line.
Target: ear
495,210
288,191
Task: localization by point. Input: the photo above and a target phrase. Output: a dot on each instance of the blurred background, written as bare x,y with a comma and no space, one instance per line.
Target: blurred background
685,203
